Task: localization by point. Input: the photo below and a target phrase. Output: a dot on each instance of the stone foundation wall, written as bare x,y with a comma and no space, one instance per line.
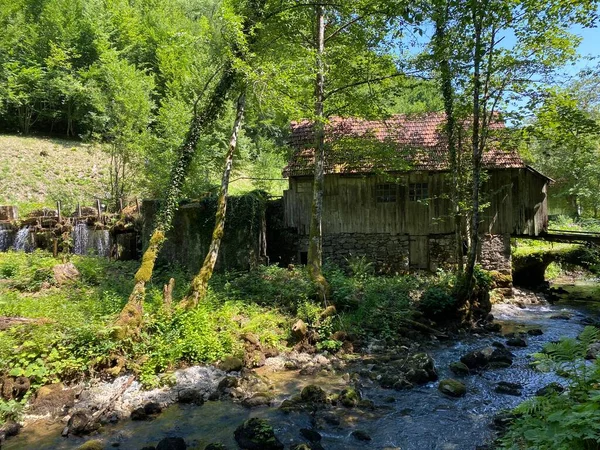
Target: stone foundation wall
441,252
388,252
495,253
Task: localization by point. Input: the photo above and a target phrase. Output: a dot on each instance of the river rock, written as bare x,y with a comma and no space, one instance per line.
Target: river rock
516,342
94,444
311,435
421,369
65,273
10,428
139,414
593,351
458,368
152,408
257,434
349,398
487,357
171,443
452,388
215,446
231,364
535,332
492,327
505,387
313,394
192,396
81,422
503,420
551,388
361,435
256,400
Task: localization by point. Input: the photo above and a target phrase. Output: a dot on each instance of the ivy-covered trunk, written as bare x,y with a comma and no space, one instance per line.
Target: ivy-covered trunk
477,155
130,318
199,284
315,243
441,57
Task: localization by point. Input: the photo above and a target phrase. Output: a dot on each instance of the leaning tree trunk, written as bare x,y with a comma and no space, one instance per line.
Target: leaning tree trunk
199,284
315,243
130,318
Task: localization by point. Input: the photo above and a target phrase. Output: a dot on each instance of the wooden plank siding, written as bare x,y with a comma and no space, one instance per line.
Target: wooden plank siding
517,204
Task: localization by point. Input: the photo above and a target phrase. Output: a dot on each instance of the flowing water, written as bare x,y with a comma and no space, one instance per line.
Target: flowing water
420,418
6,236
87,240
23,240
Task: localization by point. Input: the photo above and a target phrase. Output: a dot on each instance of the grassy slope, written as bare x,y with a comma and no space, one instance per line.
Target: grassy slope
70,171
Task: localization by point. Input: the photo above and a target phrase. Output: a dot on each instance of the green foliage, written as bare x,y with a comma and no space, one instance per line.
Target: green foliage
437,303
270,285
564,141
10,410
562,421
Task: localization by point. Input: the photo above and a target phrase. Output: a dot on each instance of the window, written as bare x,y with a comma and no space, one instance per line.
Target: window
385,193
418,191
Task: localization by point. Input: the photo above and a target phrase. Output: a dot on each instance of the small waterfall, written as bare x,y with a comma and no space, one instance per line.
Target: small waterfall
23,241
102,242
81,237
88,241
6,235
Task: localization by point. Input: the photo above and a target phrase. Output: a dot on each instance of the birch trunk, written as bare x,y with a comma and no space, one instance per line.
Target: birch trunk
315,243
199,284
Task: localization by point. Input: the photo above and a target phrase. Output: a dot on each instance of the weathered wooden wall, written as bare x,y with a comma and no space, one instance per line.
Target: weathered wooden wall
515,204
516,198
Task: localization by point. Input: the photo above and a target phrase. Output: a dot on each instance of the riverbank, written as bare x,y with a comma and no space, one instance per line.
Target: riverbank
415,418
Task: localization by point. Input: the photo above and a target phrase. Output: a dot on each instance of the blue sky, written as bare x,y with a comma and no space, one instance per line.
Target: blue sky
590,46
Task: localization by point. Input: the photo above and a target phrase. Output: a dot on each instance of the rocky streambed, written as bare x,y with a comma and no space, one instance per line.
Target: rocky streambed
388,398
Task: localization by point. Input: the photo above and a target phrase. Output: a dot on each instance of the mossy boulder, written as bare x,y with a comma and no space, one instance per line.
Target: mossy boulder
94,444
231,364
349,398
421,369
458,368
257,434
313,394
452,388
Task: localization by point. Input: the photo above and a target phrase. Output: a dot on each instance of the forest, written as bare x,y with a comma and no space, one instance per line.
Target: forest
104,103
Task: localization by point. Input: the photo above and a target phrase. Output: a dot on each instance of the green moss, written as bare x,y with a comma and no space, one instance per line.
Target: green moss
144,273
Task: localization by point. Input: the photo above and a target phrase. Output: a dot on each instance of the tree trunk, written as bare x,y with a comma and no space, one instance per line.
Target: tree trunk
477,154
130,318
199,284
441,57
315,243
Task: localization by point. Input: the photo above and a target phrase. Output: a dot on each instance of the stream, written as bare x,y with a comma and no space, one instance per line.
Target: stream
421,418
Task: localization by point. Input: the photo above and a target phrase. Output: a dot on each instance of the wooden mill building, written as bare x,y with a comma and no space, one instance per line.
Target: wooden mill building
387,194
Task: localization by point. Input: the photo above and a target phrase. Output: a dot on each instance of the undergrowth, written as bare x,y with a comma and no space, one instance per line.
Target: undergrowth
69,333
562,421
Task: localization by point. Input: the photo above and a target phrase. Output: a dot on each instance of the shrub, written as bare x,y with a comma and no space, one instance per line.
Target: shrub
437,303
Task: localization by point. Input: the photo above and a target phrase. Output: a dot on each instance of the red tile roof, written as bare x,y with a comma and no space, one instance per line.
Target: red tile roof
417,139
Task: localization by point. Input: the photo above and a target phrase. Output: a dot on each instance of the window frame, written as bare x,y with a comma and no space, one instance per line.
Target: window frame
418,192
